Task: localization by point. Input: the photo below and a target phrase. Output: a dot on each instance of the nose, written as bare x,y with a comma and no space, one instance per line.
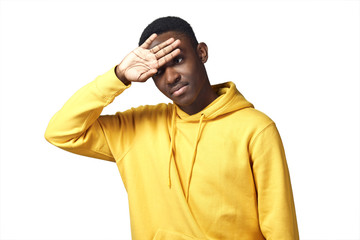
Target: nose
171,75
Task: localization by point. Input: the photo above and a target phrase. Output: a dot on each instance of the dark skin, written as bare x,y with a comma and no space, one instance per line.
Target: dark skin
176,67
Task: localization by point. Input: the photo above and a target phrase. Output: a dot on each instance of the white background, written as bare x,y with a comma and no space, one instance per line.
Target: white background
297,61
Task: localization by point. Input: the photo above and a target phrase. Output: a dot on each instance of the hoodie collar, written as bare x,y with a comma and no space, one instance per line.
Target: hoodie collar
229,99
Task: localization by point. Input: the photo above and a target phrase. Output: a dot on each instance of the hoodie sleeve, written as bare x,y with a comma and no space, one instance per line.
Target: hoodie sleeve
276,208
77,127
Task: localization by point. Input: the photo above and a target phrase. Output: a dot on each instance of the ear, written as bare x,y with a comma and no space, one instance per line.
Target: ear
202,51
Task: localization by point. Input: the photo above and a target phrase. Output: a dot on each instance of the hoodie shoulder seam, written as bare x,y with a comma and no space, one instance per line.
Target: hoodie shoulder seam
261,132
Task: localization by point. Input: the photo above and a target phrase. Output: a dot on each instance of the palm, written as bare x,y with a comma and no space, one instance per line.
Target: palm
142,63
139,62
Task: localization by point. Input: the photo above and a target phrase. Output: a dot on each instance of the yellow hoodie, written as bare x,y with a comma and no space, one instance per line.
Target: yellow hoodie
217,174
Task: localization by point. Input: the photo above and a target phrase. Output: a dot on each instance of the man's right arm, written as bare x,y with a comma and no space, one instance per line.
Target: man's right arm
77,127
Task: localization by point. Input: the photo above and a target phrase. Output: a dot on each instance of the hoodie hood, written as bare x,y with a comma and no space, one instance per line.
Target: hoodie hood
229,99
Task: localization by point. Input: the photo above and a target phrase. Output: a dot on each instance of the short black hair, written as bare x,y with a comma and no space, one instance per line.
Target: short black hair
167,24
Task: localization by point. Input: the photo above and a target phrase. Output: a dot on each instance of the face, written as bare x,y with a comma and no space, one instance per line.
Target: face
184,79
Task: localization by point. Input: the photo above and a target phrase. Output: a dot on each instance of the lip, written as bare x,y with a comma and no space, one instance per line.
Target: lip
178,90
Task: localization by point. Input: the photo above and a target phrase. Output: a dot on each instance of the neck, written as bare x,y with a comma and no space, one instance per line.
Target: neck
207,95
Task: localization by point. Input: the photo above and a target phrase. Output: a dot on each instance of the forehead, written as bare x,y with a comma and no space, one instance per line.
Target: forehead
184,44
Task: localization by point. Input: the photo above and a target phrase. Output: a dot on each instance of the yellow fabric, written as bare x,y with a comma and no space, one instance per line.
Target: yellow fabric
217,174
172,141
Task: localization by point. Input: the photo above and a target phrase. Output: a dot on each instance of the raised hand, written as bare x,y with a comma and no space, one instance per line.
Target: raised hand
142,63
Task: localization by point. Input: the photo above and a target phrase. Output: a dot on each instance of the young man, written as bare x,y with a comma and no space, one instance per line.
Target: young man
208,166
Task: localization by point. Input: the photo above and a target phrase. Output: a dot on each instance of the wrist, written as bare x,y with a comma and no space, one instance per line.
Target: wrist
120,76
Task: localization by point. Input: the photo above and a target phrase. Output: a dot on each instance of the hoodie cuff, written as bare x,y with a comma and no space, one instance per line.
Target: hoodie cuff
109,85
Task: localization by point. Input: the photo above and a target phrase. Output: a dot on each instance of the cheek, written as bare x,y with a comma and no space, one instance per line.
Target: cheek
160,85
192,74
188,71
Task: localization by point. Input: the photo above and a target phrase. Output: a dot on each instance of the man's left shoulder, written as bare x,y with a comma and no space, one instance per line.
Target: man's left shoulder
252,116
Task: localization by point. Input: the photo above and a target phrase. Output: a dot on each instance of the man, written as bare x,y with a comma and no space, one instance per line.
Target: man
208,166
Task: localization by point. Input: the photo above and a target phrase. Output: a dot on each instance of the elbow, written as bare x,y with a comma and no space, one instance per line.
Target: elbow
53,136
61,138
49,136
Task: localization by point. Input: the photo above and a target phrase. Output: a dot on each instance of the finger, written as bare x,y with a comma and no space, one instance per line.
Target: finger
164,51
146,75
167,58
148,41
162,45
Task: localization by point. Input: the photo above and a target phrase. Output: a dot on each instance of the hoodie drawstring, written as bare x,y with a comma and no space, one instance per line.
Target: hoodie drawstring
194,155
172,143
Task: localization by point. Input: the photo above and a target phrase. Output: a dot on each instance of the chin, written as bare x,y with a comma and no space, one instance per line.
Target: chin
183,103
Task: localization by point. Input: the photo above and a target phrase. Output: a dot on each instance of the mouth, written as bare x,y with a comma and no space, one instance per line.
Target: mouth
179,89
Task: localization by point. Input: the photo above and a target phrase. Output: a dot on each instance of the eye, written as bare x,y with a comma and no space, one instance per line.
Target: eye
159,71
178,60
